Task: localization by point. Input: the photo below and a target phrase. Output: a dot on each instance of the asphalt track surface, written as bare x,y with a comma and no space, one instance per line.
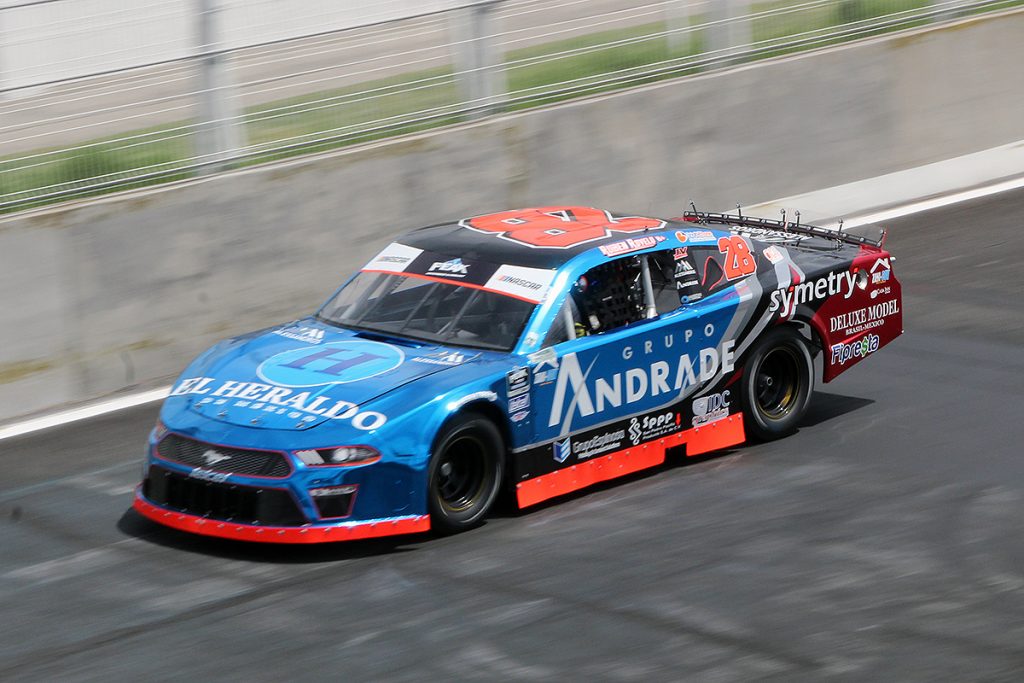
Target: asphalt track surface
882,542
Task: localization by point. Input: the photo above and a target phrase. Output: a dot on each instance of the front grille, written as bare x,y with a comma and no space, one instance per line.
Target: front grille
221,500
223,459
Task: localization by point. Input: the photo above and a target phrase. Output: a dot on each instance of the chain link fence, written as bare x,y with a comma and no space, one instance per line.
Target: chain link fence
100,95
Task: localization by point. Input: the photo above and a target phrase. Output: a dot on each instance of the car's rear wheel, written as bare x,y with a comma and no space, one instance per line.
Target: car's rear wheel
465,473
777,384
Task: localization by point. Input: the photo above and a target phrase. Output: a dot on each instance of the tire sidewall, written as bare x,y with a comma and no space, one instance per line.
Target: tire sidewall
758,425
442,520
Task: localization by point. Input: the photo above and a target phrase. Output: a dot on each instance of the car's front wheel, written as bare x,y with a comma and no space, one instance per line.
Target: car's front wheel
465,473
777,384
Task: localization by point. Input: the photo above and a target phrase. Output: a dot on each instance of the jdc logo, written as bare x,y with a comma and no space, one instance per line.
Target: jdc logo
710,408
709,404
332,363
453,268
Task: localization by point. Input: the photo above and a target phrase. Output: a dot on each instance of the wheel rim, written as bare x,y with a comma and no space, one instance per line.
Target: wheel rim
777,383
461,474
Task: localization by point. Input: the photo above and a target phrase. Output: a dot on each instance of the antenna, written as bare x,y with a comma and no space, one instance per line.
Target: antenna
783,212
797,218
739,211
693,206
840,228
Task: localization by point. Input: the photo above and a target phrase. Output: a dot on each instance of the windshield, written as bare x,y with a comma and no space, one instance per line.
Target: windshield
428,310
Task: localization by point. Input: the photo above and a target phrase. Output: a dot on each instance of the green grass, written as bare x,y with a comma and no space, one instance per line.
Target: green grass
345,116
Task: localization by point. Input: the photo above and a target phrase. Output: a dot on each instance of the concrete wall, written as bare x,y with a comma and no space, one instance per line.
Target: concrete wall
98,296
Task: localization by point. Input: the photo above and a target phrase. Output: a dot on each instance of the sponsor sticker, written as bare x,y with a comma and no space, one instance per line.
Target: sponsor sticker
394,258
306,406
338,362
302,333
769,235
710,408
561,450
448,358
653,426
694,235
586,394
596,445
785,300
773,254
630,244
864,318
517,382
454,268
519,281
841,353
519,403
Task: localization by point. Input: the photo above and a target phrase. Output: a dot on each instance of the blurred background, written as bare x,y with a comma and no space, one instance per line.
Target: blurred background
99,95
184,146
174,172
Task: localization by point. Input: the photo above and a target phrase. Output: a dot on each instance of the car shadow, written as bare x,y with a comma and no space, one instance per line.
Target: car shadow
825,407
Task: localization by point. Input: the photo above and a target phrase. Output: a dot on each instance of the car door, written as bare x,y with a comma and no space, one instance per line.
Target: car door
620,357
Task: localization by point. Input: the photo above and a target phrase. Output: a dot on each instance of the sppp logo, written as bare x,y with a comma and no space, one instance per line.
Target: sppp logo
332,363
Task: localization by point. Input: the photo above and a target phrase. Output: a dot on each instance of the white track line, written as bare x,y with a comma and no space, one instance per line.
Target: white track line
85,412
933,203
132,400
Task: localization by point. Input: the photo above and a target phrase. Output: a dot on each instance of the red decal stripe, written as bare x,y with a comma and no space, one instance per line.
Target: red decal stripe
449,281
716,435
270,534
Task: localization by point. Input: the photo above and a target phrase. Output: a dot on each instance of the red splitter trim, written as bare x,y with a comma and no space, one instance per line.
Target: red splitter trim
274,534
710,437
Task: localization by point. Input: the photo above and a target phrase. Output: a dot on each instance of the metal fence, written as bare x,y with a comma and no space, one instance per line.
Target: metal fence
101,95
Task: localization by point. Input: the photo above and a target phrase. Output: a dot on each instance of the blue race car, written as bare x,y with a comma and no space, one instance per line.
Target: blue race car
539,350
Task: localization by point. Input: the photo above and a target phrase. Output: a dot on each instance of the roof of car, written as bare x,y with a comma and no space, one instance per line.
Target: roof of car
538,237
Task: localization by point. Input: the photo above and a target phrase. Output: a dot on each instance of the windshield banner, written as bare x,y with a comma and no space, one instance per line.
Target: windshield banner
528,284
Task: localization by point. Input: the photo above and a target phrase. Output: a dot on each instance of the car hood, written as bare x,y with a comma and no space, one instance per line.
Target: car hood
303,374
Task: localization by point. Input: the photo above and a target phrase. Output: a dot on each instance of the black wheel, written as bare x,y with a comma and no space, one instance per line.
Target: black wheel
464,474
777,384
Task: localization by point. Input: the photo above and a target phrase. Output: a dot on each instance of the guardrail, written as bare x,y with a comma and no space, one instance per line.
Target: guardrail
222,104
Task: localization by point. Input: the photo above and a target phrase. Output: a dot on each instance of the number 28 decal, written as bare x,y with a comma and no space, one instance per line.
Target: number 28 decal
558,227
739,262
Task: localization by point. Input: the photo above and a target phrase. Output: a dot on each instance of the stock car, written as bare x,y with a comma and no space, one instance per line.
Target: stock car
535,351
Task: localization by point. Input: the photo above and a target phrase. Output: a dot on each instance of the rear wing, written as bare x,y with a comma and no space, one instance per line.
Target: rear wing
797,228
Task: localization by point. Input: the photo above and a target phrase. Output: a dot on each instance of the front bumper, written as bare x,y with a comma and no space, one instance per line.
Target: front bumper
272,496
309,533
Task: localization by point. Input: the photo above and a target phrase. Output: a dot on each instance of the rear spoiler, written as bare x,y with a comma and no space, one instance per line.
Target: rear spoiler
739,220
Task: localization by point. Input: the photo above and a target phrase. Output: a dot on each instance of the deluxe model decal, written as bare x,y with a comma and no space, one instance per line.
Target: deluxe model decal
865,318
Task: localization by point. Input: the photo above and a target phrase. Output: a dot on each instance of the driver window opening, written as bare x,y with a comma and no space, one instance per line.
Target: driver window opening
623,292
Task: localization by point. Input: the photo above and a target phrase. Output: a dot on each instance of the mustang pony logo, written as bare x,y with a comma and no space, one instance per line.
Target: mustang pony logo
212,457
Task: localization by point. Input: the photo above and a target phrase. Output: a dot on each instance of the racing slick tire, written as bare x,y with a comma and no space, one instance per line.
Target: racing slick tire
464,477
777,384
